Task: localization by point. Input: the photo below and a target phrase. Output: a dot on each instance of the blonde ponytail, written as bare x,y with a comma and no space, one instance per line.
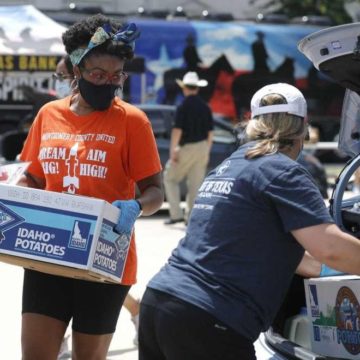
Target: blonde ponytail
273,132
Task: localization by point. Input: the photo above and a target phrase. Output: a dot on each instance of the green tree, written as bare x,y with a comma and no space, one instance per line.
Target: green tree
334,9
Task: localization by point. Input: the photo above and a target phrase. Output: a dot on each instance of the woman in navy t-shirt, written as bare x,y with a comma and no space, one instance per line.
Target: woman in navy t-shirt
255,216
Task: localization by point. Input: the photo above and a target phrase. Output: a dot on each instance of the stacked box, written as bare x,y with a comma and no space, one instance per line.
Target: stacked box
61,234
334,313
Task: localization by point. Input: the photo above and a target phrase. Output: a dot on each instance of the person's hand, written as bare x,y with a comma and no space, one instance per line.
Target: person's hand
129,212
174,155
327,271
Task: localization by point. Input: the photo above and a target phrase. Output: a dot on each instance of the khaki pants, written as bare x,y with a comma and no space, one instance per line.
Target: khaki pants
193,159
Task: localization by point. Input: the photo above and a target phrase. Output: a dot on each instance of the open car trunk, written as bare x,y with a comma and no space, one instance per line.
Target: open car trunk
289,337
336,53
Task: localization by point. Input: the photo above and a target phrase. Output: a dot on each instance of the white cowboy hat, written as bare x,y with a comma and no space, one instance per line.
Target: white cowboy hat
191,79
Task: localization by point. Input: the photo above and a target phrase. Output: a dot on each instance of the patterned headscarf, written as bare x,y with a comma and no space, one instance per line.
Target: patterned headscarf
126,35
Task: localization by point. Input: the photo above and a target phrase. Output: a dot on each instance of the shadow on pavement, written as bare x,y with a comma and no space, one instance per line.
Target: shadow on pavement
122,351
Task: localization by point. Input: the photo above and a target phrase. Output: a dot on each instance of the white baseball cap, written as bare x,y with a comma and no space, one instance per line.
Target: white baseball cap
296,103
191,78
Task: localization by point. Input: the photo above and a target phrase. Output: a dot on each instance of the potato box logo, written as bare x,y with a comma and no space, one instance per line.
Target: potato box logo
347,312
8,219
80,235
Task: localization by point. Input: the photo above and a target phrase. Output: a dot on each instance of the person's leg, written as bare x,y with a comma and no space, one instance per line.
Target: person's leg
41,337
196,174
133,306
173,175
96,311
90,347
46,313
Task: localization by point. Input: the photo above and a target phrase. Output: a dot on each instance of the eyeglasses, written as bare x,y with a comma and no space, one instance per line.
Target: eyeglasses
100,77
61,76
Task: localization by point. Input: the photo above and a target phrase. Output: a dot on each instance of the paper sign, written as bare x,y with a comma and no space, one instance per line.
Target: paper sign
12,173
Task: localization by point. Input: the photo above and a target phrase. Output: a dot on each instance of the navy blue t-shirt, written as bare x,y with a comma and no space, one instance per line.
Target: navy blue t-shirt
238,256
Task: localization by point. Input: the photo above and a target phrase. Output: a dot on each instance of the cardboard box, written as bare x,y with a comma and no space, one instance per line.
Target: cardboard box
61,234
334,313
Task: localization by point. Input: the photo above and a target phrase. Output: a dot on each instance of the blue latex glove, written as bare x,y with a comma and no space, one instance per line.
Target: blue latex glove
327,271
129,212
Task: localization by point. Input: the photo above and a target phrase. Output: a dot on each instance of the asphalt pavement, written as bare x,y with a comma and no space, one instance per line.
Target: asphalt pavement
155,241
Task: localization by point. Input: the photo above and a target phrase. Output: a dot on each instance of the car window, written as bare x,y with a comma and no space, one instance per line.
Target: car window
223,136
162,120
158,122
223,130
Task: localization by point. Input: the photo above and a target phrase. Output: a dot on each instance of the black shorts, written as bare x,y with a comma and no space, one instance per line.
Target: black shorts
93,307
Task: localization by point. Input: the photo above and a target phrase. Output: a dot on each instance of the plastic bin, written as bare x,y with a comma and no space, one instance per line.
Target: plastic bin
297,329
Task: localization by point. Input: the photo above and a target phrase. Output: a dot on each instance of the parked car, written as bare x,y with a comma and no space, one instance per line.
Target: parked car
293,332
162,119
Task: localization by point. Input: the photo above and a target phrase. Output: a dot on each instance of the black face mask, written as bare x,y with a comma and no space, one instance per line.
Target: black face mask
99,97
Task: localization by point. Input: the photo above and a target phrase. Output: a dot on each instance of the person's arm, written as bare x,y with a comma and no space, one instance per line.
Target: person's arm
32,181
174,144
151,194
150,200
331,246
309,266
210,130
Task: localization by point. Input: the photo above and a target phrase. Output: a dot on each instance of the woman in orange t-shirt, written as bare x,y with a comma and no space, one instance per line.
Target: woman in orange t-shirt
94,144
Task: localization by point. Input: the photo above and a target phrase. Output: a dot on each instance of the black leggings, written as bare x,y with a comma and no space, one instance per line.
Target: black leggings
172,329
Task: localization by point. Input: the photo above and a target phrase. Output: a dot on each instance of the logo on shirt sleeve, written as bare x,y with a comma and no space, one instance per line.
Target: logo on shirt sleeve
222,168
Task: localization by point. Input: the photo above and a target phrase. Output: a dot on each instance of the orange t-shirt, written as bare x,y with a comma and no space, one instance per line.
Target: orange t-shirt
102,154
